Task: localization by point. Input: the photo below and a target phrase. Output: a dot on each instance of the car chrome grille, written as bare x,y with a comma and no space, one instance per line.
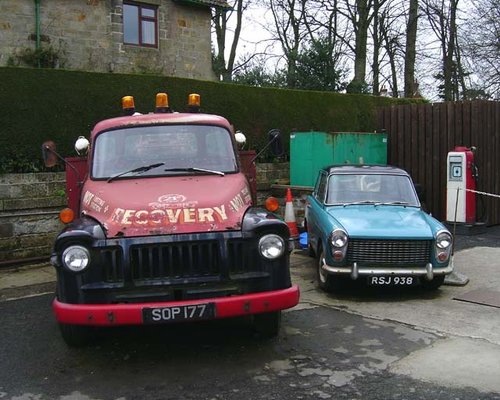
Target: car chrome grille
175,260
396,253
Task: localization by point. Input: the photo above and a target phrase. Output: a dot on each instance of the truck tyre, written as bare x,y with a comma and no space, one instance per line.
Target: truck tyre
76,335
326,282
267,325
434,284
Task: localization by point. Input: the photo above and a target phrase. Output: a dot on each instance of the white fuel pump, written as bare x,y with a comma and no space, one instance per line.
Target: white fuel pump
461,178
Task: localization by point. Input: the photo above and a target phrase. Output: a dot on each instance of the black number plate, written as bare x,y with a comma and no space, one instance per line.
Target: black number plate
391,280
192,312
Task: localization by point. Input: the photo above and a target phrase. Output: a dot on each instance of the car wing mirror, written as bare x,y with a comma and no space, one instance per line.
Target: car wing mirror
49,154
275,141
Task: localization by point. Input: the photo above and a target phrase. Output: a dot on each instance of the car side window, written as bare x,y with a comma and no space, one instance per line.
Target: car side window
320,189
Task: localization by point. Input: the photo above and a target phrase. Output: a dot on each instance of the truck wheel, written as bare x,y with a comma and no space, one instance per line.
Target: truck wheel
76,335
434,284
326,281
267,325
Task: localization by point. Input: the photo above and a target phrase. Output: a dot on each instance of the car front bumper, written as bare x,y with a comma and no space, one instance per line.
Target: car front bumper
132,313
355,271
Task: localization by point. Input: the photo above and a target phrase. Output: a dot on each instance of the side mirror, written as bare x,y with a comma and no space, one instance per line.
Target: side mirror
82,145
49,154
276,143
240,138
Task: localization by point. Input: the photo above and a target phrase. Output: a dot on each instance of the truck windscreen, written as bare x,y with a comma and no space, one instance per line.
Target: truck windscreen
173,149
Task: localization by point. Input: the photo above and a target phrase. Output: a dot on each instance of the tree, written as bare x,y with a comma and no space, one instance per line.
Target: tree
289,31
220,17
410,50
482,48
317,69
252,71
360,18
392,42
442,17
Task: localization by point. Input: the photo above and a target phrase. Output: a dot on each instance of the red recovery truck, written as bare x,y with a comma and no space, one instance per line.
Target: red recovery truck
164,229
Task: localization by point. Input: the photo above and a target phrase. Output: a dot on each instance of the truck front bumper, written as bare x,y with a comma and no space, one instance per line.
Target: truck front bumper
132,314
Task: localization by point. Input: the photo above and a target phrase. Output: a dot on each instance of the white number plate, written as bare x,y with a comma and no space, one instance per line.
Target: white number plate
390,280
193,312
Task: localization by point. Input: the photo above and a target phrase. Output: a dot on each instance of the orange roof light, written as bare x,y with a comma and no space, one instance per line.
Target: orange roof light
161,100
128,105
66,215
194,100
272,204
128,102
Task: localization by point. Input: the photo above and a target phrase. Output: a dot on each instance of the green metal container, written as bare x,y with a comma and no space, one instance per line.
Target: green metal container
311,151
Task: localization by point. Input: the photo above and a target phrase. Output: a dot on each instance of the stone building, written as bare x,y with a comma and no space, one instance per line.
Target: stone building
168,37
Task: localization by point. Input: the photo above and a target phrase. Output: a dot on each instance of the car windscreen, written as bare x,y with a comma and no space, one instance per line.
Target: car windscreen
163,150
371,188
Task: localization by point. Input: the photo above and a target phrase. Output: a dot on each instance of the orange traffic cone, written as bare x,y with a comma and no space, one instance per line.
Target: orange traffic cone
290,215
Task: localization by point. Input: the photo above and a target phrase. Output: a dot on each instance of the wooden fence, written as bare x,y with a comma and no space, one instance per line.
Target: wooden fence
421,135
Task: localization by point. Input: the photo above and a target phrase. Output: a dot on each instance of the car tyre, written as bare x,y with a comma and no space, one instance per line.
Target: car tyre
76,335
436,282
326,281
267,325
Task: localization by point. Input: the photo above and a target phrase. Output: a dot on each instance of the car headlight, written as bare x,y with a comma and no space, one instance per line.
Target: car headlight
338,238
443,240
271,246
76,258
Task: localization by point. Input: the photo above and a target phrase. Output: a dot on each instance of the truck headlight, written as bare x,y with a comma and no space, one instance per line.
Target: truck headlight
76,258
271,246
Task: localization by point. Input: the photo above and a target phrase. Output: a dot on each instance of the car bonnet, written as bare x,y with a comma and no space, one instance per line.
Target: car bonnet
382,221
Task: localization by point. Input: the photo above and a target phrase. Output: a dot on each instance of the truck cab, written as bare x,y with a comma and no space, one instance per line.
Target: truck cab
164,229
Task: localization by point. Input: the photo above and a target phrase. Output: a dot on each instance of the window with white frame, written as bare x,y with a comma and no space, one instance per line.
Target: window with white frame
140,24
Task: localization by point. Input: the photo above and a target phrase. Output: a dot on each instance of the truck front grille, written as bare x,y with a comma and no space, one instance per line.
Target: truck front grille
175,260
395,253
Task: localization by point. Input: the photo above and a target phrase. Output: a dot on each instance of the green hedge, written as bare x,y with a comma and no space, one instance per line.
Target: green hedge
41,104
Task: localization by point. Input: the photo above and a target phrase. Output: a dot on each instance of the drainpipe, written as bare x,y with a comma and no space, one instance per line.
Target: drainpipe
37,23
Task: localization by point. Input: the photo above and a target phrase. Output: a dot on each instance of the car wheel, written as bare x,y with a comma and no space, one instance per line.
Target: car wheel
326,281
434,284
76,335
267,325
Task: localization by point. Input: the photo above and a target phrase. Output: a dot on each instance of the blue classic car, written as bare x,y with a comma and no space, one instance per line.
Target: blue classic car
366,222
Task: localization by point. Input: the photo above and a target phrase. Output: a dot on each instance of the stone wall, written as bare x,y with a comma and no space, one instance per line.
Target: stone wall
29,208
88,35
30,205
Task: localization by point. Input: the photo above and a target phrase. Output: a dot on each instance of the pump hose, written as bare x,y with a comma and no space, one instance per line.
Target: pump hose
482,216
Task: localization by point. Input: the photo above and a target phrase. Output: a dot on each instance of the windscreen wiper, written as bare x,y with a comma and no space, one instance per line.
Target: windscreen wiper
354,203
392,203
138,170
194,169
